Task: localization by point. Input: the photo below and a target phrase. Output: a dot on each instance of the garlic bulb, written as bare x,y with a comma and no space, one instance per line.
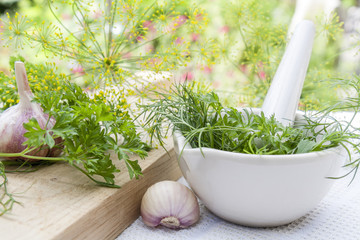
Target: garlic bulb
170,204
13,118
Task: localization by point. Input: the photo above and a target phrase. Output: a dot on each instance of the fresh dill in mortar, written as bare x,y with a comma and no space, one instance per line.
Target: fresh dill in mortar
202,119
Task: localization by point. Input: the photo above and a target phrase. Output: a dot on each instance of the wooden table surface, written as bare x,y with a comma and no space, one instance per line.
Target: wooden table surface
59,202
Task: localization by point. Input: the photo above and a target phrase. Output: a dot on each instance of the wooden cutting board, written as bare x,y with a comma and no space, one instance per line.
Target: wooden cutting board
59,202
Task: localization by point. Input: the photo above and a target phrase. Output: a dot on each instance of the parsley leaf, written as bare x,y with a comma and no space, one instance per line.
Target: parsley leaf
89,126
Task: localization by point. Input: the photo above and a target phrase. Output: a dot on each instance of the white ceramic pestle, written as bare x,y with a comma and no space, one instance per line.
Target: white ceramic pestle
284,93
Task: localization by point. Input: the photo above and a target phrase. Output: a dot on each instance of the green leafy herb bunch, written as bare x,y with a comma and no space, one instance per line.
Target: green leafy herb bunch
93,130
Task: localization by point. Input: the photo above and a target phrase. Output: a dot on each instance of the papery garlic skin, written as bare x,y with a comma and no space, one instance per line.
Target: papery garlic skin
12,130
170,204
13,118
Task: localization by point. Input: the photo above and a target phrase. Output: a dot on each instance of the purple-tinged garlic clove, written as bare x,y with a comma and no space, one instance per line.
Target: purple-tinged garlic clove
13,118
169,204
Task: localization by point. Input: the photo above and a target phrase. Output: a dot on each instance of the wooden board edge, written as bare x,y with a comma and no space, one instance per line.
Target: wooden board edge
121,216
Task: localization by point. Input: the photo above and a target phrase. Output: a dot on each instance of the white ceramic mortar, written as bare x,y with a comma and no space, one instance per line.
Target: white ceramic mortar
258,190
265,190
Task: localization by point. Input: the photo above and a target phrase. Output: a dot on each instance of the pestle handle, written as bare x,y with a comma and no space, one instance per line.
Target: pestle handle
284,93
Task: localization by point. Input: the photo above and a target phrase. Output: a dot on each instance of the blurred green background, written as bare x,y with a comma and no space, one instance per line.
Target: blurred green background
249,37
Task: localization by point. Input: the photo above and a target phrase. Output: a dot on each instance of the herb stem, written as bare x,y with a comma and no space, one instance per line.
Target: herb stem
23,155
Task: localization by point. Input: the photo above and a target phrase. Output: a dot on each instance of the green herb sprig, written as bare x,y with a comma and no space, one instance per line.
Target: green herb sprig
7,199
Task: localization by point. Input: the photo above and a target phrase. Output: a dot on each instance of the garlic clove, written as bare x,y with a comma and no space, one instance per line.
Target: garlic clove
169,204
13,118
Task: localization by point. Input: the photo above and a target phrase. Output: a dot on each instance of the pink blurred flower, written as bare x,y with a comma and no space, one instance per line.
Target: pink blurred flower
199,17
262,75
177,23
181,20
243,68
188,76
139,38
195,37
150,26
78,70
207,69
261,72
224,29
179,41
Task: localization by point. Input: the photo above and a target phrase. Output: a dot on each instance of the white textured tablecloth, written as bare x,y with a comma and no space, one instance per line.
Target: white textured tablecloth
337,217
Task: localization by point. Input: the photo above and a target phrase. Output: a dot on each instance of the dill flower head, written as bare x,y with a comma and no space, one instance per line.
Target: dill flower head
109,40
